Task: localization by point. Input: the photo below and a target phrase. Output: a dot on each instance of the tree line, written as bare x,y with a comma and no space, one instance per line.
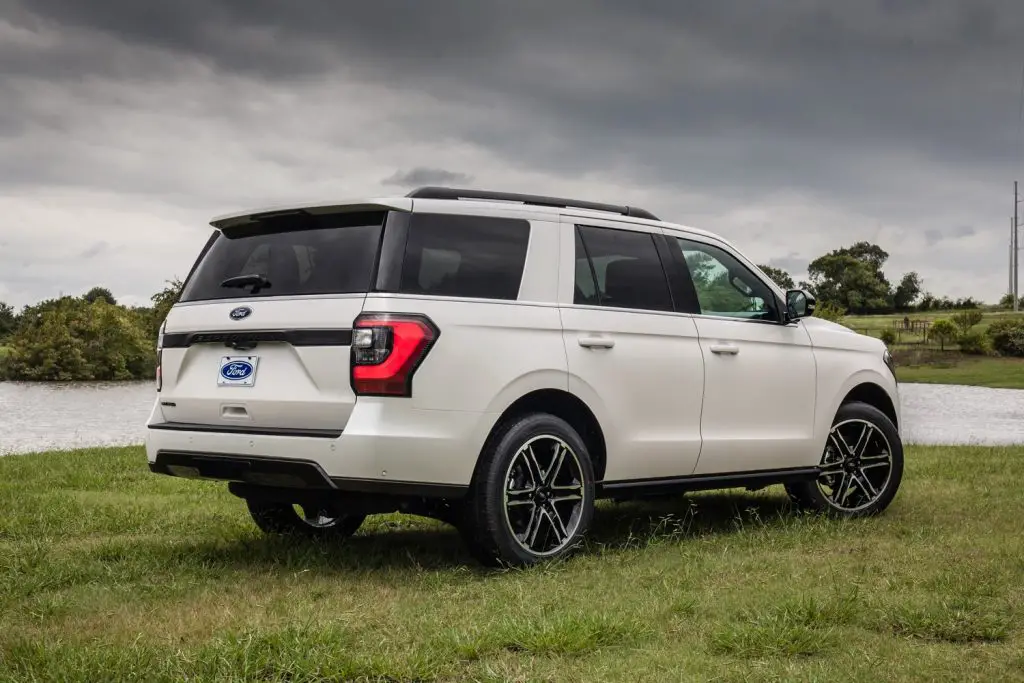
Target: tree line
93,337
83,338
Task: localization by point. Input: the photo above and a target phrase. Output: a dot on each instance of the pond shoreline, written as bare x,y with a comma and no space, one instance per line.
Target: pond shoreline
47,416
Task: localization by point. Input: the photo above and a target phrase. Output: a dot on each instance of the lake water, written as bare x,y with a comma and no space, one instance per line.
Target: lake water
36,417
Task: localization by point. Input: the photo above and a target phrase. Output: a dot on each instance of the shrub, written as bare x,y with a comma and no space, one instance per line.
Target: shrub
943,331
888,336
72,339
975,343
1008,336
965,320
829,311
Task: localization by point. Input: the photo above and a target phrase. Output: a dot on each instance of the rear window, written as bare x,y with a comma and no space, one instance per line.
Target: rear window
464,256
296,254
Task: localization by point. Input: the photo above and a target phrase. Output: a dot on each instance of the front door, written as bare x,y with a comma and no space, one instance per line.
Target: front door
760,374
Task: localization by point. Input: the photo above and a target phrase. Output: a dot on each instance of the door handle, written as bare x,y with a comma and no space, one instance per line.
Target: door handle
596,342
724,349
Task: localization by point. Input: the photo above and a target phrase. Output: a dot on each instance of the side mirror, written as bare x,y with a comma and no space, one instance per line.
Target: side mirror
799,304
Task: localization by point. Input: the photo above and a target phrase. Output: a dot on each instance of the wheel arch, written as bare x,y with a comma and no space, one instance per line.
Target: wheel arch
874,395
564,405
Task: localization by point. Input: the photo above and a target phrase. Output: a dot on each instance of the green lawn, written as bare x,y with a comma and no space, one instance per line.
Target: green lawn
999,373
110,573
874,324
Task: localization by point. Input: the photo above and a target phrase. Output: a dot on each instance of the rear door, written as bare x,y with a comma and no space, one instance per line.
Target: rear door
262,333
632,357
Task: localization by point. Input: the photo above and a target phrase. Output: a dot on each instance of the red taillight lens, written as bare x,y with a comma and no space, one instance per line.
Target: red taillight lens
159,370
386,351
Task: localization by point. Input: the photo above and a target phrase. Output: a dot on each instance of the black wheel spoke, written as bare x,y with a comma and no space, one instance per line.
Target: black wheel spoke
853,477
544,495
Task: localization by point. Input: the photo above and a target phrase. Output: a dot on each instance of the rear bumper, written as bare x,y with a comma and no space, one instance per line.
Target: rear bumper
386,447
288,473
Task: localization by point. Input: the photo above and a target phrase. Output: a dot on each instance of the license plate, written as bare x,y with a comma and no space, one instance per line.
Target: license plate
237,371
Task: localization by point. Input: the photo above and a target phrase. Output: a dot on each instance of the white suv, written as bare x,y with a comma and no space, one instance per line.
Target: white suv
500,361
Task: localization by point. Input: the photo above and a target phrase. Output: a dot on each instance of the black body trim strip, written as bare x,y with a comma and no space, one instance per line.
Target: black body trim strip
263,471
245,430
290,473
327,337
417,489
706,482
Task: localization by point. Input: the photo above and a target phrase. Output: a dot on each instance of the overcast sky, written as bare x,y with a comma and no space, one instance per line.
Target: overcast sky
791,127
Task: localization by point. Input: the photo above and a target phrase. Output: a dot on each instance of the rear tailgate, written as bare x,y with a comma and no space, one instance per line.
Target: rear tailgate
270,350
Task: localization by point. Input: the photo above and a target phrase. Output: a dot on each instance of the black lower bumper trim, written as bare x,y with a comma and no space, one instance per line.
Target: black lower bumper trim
246,430
287,473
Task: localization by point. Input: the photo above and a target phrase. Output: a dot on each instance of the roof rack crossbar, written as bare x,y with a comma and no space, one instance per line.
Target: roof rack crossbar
533,199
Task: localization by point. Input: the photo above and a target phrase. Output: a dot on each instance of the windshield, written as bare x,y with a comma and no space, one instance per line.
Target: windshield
290,255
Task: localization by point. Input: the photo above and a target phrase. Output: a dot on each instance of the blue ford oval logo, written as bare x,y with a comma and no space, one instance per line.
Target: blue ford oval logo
237,370
240,312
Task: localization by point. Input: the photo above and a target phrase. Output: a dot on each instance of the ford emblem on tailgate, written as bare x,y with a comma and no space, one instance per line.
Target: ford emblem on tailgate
240,313
237,370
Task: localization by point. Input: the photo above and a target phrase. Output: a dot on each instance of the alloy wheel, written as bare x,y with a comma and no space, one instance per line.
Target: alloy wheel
544,495
856,466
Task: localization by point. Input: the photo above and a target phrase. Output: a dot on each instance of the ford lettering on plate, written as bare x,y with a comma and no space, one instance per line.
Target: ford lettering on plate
239,371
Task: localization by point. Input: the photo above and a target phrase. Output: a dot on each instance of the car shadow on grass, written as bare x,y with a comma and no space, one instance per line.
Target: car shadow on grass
396,542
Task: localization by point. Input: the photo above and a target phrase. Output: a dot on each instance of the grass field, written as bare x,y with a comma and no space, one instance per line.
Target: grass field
924,362
110,573
998,373
876,323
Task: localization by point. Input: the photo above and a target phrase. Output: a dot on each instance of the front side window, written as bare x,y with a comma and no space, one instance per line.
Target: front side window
724,286
621,269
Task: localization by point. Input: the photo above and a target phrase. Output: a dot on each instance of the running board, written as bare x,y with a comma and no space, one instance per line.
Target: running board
754,480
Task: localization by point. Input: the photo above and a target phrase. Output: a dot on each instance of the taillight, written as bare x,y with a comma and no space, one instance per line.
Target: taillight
386,351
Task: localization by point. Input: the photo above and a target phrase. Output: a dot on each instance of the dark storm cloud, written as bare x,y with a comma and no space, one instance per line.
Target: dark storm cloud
834,121
426,176
738,96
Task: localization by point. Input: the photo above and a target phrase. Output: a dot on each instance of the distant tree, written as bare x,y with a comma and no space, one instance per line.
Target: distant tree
944,331
852,278
1007,301
8,320
778,276
927,303
97,293
162,302
907,291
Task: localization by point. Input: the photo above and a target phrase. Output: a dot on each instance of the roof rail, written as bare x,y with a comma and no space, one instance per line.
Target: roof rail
536,200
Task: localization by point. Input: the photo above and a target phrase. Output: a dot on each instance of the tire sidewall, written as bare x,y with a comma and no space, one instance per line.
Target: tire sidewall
490,488
863,411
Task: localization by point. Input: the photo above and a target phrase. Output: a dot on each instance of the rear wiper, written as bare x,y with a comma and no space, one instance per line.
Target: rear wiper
254,280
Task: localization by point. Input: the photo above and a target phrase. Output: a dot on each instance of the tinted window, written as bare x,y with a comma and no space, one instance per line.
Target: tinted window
624,270
466,256
725,286
296,254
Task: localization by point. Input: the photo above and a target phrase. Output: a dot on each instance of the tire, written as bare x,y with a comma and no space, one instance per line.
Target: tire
548,509
855,483
282,519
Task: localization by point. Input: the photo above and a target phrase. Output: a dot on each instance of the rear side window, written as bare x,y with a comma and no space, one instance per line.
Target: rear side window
289,255
464,256
619,268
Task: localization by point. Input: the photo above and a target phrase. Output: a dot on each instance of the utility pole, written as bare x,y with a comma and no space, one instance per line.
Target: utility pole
1009,270
1016,249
